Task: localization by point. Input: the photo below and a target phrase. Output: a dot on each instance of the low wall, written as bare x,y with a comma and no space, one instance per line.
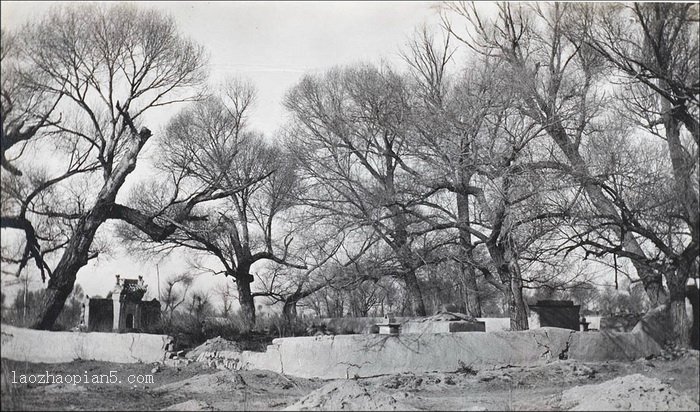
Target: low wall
57,347
605,345
347,356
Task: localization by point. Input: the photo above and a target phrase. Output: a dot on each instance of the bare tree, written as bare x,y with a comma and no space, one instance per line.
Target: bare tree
211,142
439,119
199,305
654,50
111,64
557,78
175,289
474,145
226,294
26,107
290,285
350,136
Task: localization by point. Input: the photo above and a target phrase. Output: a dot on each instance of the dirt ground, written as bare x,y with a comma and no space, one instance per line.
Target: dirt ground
198,387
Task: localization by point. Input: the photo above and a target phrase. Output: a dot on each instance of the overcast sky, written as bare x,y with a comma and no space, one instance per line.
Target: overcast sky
273,44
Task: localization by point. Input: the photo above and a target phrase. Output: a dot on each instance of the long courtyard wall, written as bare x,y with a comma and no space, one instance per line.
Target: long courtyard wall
57,347
348,356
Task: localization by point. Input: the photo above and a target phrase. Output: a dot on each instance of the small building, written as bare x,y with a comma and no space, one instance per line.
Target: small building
123,310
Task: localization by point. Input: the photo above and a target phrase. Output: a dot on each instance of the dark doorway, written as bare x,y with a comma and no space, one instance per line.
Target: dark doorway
129,321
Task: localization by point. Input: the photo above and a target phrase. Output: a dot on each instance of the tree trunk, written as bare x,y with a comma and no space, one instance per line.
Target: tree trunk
680,325
653,284
408,260
684,181
289,310
245,298
63,278
76,254
473,302
415,296
516,303
505,259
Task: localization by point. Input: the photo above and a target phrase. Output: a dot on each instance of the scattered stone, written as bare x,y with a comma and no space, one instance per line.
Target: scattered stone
210,383
64,388
583,370
351,395
433,380
191,405
177,362
214,345
404,381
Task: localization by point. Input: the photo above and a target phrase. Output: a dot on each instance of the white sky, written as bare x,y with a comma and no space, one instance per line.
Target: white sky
273,44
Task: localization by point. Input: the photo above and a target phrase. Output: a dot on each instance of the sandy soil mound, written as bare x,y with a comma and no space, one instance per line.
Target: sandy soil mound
351,396
216,344
632,392
216,382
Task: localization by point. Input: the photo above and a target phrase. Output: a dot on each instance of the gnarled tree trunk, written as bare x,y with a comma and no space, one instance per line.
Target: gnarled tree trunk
63,277
246,300
289,310
680,324
415,295
77,252
516,303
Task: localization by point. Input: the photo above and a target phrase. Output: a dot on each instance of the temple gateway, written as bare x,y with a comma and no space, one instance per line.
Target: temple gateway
124,309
